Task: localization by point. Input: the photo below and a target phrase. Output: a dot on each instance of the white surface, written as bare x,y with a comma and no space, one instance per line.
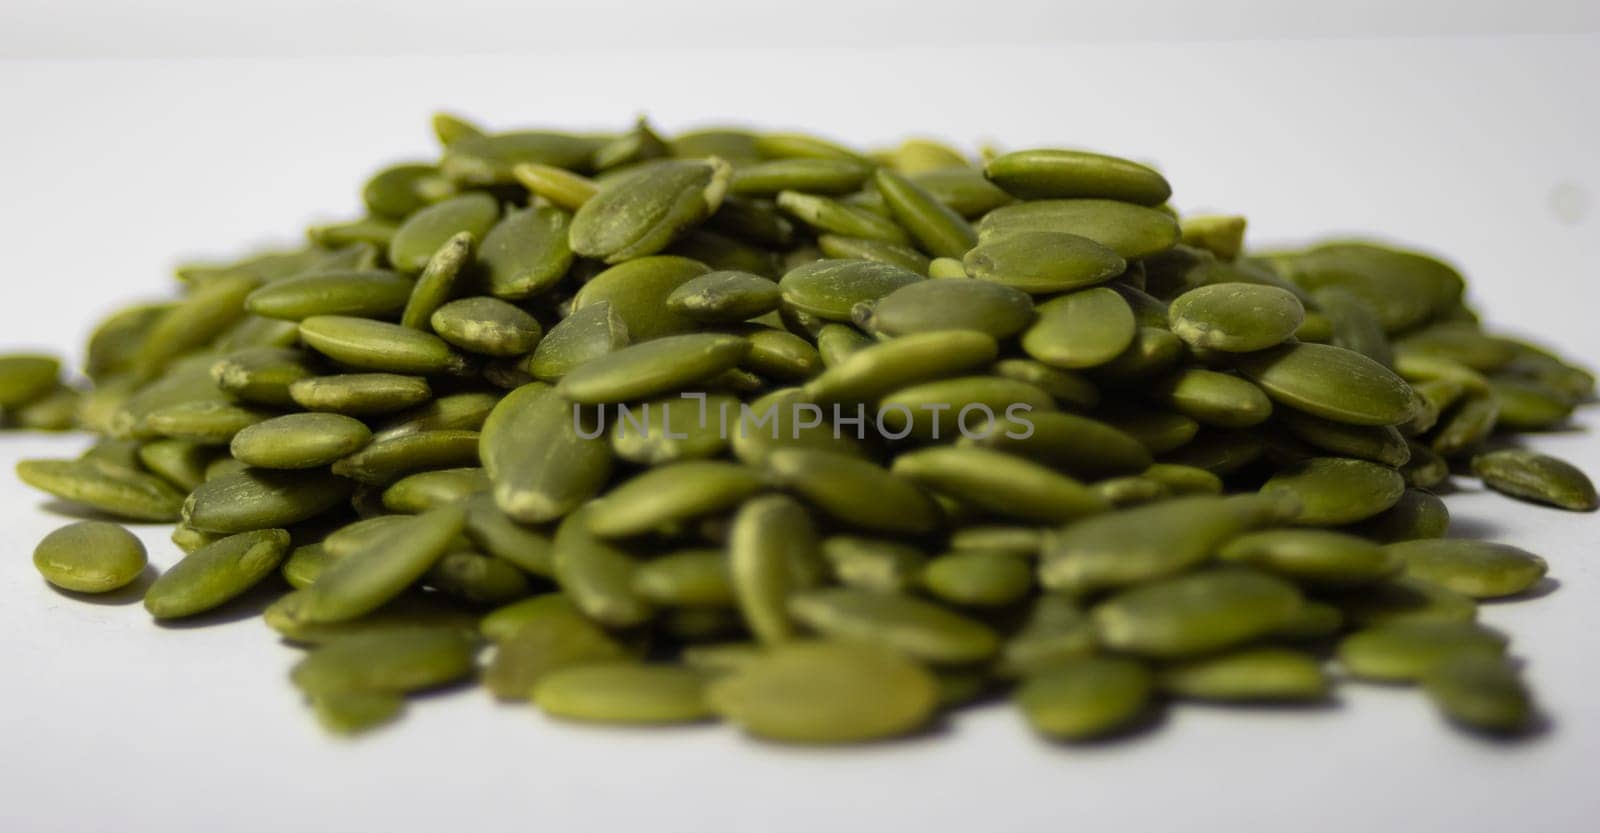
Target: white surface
110,170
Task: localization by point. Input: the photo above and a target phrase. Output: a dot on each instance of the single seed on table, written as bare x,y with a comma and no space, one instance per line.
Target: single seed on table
1536,477
216,573
90,557
1479,569
1480,692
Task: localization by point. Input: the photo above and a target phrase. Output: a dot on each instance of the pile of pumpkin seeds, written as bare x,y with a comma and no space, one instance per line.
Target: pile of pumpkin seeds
759,428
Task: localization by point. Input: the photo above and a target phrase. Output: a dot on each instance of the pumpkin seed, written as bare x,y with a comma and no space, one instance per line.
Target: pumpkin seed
262,375
1332,383
1131,231
394,661
1405,651
1275,675
1405,599
1086,328
1311,556
1536,477
216,573
111,489
541,466
1086,697
424,232
364,580
826,692
882,251
1053,174
921,630
812,175
1337,490
262,499
1480,692
596,575
378,345
299,441
624,693
725,297
90,557
852,490
978,579
830,289
643,212
1478,569
929,306
772,552
656,367
1195,614
1000,483
1144,543
879,564
669,494
937,228
1043,262
637,292
1236,317
370,294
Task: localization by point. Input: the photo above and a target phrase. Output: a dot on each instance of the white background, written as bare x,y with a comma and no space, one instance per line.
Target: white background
132,136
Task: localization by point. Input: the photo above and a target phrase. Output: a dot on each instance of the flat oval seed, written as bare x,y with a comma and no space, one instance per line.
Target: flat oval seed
1079,446
1043,262
207,422
1311,556
366,579
371,294
1479,569
1536,477
26,378
1054,174
542,465
477,579
670,494
437,283
960,406
425,490
921,630
561,188
598,576
654,367
421,235
936,227
815,176
878,564
1332,383
378,345
692,578
392,661
1085,698
1149,542
1481,693
299,441
1131,231
1405,651
455,412
360,394
826,216
1259,675
1211,398
262,374
1380,444
384,461
1195,614
526,253
487,326
90,557
994,309
673,428
853,491
587,333
641,213
1405,599
725,297
1000,483
860,248
830,289
979,579
549,634
216,573
1236,317
637,292
1086,328
770,545
111,489
624,693
397,190
1337,490
826,692
1418,514
881,369
262,499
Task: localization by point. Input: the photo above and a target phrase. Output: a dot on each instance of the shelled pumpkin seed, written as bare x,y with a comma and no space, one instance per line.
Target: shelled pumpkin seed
819,442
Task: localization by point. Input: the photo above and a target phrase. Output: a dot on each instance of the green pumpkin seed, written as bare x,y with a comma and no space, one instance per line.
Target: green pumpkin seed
1043,262
694,578
550,639
918,629
398,190
1270,675
624,693
1183,480
597,576
1236,317
1403,288
1006,485
1315,557
778,354
936,227
872,372
1145,543
90,557
1418,514
55,411
585,334
424,232
394,661
963,405
1405,651
1067,388
208,311
672,428
364,580
526,253
853,491
1056,632
1426,469
262,499
929,306
1337,490
304,565
1478,569
384,461
477,579
1536,477
360,394
111,489
112,346
1380,444
1129,230
1079,446
378,345
1212,398
1222,235
438,280
1467,427
1332,383
963,188
475,158
652,368
205,422
643,212
812,175
1196,613
882,251
772,550
455,412
826,692
1405,599
180,462
349,713
1355,325
826,216
371,294
541,465
978,579
1530,406
1085,698
261,375
637,292
299,441
670,494
26,378
563,189
878,564
487,326
785,419
1054,174
1480,692
1086,328
830,289
216,573
725,297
